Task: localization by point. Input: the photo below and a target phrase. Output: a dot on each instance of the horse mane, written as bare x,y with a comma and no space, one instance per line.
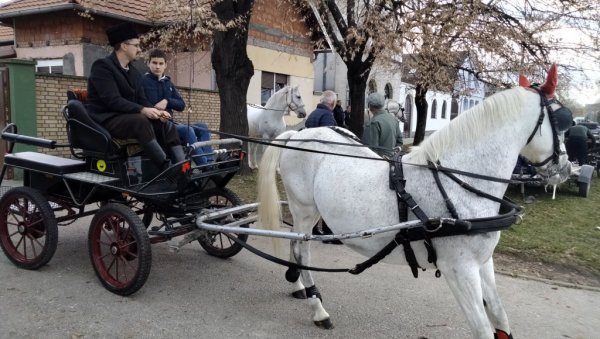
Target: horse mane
276,95
472,125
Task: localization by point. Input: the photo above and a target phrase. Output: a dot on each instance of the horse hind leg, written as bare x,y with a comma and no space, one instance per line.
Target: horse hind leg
252,155
491,301
300,253
465,284
293,274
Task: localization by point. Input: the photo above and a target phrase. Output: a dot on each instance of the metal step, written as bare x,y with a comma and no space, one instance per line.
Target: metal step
90,177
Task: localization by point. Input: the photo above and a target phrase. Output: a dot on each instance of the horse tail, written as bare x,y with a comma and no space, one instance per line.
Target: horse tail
269,210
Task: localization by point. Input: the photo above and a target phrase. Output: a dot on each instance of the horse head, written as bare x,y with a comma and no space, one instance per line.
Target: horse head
545,147
294,102
394,108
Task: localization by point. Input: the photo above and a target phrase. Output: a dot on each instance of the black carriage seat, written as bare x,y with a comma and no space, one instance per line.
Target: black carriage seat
86,134
45,163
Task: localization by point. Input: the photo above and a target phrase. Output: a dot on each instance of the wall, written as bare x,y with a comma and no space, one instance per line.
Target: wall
299,69
51,97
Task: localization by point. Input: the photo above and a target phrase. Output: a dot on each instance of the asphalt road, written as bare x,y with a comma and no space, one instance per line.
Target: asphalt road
192,295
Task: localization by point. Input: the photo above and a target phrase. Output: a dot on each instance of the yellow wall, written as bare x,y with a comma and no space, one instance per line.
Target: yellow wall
299,68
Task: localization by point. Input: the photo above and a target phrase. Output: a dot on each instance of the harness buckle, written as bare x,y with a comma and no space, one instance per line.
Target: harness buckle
441,223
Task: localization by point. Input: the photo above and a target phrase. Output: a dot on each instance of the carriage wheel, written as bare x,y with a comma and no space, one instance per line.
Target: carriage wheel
218,244
119,249
28,230
584,189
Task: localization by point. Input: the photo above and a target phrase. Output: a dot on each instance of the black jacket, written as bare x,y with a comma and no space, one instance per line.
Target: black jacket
113,90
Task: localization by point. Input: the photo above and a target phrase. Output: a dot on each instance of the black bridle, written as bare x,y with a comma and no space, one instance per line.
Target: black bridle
554,123
289,103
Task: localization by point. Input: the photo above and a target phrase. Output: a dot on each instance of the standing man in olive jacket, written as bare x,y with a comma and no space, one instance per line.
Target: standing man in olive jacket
116,100
383,131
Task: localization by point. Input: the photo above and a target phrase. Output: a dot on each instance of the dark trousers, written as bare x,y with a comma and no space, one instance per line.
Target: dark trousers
137,126
577,149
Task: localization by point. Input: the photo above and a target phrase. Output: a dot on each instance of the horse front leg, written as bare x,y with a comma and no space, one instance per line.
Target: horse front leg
491,301
465,283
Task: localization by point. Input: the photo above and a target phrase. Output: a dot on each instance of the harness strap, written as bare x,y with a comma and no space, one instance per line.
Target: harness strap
397,183
449,204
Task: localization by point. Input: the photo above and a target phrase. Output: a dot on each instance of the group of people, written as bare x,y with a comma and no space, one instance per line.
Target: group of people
131,105
382,132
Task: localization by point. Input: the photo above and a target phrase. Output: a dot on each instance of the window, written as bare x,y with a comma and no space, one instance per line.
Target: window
389,92
271,83
372,88
52,66
454,109
433,109
444,110
324,67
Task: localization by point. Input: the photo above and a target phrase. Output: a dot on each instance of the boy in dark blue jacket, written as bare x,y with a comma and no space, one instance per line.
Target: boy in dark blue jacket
161,93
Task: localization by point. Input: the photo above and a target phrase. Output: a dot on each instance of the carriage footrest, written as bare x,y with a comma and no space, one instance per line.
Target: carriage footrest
44,163
90,177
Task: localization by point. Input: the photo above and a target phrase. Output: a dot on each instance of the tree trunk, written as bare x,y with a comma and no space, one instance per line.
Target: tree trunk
233,68
421,103
357,83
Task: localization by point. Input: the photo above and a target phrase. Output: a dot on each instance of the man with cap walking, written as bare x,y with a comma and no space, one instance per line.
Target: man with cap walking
383,131
116,100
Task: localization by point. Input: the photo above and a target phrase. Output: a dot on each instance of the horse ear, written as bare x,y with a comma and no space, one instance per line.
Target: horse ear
549,86
523,81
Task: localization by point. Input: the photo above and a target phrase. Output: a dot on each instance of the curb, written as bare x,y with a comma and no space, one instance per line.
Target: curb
549,282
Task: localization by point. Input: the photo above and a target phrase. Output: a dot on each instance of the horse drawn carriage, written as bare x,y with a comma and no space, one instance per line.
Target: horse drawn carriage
581,177
109,180
453,206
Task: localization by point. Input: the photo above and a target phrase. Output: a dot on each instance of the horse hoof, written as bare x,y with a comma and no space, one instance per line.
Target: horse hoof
325,324
300,294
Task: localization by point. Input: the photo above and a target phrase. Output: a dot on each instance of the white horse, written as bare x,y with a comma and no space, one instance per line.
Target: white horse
392,107
267,122
486,140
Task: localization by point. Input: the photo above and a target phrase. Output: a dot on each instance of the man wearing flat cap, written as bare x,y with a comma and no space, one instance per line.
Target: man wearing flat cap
383,131
116,100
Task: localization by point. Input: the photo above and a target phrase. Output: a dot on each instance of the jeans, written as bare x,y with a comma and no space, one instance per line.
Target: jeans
189,134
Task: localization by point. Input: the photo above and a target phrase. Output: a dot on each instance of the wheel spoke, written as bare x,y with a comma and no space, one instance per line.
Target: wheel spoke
32,246
220,239
110,266
123,268
32,239
35,230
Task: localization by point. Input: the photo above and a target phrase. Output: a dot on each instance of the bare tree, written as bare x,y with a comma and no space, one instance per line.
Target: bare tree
501,38
354,29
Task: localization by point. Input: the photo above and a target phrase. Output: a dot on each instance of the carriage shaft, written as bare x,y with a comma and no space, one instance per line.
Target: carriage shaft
203,223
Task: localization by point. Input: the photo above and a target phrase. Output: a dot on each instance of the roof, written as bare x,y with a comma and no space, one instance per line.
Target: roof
132,10
6,34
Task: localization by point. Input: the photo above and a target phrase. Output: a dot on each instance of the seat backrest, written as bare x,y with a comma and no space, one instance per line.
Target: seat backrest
84,132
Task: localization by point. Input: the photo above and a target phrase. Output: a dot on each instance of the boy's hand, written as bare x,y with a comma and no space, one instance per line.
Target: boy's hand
162,105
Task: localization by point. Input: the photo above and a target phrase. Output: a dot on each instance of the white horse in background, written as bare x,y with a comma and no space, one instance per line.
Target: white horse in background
485,140
395,109
267,122
392,107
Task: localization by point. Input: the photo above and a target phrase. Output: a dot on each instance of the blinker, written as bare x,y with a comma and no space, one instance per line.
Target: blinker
564,118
